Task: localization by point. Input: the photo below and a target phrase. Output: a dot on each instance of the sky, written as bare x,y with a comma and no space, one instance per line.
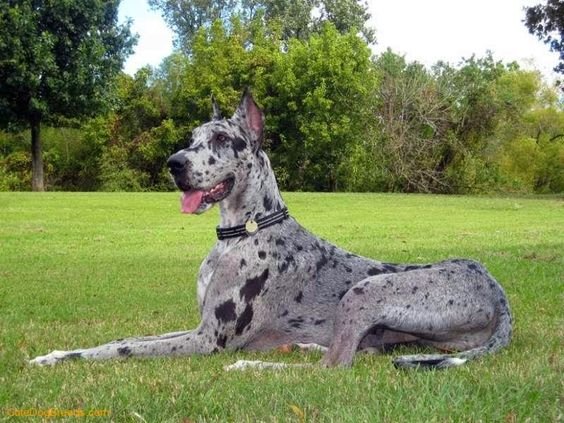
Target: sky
423,30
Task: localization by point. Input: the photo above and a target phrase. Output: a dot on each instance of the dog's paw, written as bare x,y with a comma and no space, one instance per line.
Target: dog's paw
53,358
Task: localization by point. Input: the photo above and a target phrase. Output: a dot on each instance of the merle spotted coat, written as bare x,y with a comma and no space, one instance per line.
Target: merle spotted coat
284,285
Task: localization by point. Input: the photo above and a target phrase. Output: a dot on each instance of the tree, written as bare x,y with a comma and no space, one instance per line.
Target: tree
321,105
298,18
547,23
416,117
57,61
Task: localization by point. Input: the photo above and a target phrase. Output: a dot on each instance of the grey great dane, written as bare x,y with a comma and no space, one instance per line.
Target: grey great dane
269,282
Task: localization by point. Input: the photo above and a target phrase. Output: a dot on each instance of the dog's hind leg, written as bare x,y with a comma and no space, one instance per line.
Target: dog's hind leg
444,306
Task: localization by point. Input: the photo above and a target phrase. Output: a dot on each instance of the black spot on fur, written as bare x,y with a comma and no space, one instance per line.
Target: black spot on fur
428,364
450,302
262,255
321,262
196,148
239,145
408,268
390,268
253,286
226,311
414,290
319,322
284,313
280,242
221,341
374,271
243,263
299,297
358,290
297,322
267,202
73,356
124,351
472,266
244,319
282,267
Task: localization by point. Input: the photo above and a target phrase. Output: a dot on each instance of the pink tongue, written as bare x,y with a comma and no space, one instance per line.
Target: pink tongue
191,200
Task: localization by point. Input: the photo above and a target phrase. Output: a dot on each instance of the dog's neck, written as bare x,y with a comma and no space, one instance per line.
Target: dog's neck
256,197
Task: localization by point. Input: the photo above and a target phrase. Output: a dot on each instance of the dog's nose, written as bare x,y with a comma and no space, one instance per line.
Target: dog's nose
176,163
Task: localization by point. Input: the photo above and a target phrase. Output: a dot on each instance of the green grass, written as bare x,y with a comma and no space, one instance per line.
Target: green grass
77,270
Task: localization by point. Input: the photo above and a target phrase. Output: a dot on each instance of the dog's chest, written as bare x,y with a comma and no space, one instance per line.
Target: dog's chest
208,268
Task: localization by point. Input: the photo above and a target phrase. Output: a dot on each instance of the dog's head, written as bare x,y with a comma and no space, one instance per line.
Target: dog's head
220,157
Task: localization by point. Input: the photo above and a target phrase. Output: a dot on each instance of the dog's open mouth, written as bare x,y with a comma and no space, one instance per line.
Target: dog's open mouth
195,199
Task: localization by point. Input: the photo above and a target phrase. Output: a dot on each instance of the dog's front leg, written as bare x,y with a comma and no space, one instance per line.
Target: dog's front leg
197,341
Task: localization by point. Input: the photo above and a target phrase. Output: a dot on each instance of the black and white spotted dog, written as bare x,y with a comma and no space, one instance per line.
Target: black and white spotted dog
268,282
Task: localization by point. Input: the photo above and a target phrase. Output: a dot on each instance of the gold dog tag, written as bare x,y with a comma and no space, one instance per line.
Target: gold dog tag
251,227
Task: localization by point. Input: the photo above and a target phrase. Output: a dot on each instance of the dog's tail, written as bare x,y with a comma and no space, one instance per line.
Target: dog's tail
499,339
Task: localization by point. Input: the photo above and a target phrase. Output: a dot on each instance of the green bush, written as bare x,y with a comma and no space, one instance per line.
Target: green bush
8,180
15,172
550,170
116,175
361,171
519,165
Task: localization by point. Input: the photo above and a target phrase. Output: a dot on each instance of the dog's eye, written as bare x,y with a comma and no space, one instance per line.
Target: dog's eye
221,138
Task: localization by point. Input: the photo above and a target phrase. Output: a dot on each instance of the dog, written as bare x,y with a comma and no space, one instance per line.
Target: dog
268,282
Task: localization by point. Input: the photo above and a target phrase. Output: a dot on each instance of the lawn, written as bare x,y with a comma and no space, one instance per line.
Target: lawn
80,269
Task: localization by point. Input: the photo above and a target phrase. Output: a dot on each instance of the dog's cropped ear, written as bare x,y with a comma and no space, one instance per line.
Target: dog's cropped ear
216,114
252,118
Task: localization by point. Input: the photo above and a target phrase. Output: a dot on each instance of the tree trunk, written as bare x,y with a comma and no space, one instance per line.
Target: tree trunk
36,157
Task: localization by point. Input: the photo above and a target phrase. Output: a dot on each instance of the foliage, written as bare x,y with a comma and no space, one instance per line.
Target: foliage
56,61
116,175
416,119
135,140
15,172
337,119
296,18
547,23
321,107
